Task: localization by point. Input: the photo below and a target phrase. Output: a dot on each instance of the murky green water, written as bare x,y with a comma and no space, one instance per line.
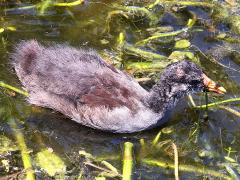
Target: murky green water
200,141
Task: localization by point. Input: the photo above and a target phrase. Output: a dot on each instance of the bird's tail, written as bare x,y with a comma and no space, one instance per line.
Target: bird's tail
25,55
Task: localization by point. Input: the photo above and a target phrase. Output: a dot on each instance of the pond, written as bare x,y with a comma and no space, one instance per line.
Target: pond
142,38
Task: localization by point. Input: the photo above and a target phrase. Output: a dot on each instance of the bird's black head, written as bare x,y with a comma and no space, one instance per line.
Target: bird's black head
188,76
177,80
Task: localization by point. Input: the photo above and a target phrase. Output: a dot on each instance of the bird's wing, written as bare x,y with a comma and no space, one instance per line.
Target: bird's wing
88,84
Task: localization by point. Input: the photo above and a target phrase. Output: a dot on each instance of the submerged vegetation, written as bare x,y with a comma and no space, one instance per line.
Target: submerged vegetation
141,38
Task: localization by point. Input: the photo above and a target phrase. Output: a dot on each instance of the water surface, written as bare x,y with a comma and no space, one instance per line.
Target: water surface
200,141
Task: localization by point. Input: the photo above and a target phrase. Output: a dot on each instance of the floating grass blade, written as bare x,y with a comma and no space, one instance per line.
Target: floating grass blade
219,102
233,111
187,3
156,139
127,161
191,100
21,8
110,167
175,161
109,171
100,178
4,85
43,5
147,55
187,168
152,5
105,171
159,35
69,4
23,148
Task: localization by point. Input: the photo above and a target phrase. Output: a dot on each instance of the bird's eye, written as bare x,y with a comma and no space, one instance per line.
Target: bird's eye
195,82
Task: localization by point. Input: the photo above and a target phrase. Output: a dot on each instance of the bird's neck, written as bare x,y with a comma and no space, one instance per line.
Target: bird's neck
164,95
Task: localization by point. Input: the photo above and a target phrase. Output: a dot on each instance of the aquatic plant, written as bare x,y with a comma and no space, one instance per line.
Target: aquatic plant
127,161
139,50
46,4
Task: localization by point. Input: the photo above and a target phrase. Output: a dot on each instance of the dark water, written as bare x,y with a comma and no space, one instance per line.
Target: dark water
83,26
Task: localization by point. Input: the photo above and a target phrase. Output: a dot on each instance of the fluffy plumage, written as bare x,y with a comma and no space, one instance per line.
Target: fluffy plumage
81,85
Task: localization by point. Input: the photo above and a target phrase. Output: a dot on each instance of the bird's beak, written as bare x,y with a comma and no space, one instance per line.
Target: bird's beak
211,86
